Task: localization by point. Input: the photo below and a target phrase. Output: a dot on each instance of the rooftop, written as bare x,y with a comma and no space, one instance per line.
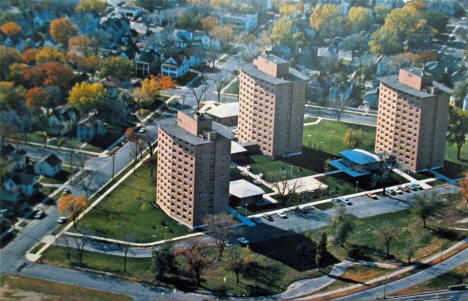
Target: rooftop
244,189
225,110
52,160
360,156
393,82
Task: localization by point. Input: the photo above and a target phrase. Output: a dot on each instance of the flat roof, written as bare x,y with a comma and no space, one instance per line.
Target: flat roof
244,189
225,110
293,74
348,170
359,156
393,82
236,148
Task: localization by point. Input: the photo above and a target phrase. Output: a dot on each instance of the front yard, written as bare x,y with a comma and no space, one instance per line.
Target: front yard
129,210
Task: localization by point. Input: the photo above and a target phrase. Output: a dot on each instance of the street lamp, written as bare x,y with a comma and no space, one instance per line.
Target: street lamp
245,212
291,166
165,232
357,182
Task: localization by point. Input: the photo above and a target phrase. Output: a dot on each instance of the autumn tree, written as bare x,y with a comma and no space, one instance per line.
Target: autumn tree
87,97
117,67
464,189
17,71
224,34
96,7
220,227
90,65
353,138
457,129
380,12
50,73
288,10
328,20
11,96
62,30
38,97
166,82
72,205
49,54
148,93
10,28
209,24
285,190
196,257
29,55
8,56
80,43
237,261
282,31
220,81
360,18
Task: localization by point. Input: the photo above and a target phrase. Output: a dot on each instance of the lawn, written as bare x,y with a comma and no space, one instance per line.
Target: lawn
454,277
16,287
236,175
277,170
271,268
233,88
128,210
309,119
59,178
186,78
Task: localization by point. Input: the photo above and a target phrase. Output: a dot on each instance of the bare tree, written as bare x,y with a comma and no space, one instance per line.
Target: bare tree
86,183
200,91
285,190
386,234
125,248
81,242
219,81
410,249
137,147
197,259
220,227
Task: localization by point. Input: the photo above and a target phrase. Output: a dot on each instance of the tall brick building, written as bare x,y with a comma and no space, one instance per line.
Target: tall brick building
412,119
193,168
271,106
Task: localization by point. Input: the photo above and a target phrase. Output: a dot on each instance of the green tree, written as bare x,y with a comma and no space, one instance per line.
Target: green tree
360,18
343,231
353,138
321,250
8,56
237,260
437,20
426,206
457,129
117,67
149,4
380,12
328,20
282,31
11,96
460,90
97,7
386,234
163,261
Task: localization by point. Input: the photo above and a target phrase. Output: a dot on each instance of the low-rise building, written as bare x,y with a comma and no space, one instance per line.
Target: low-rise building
130,11
62,120
225,113
49,166
90,127
244,193
175,66
356,162
246,22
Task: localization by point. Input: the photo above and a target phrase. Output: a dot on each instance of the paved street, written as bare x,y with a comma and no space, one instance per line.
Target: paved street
328,113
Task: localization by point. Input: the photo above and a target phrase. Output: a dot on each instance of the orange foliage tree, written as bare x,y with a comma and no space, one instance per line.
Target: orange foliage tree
49,54
80,43
72,205
37,97
29,55
166,82
464,189
10,28
62,30
50,73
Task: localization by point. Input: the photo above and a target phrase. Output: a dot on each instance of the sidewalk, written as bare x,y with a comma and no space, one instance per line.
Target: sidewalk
60,148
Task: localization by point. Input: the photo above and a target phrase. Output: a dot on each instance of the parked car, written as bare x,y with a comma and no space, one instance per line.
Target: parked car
39,214
269,218
414,186
337,200
390,192
372,196
404,189
282,215
347,201
243,241
66,191
142,131
62,220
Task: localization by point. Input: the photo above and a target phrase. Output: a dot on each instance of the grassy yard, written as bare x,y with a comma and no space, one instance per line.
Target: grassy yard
61,177
128,209
16,287
186,78
271,268
277,170
310,119
233,88
457,276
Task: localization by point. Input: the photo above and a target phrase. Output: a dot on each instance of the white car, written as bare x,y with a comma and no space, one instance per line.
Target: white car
347,202
243,241
39,214
282,215
62,220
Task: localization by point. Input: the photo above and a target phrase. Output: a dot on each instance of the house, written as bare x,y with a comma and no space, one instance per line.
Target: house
246,22
356,162
62,120
23,182
175,66
90,127
130,11
115,28
49,166
243,193
111,85
225,114
13,159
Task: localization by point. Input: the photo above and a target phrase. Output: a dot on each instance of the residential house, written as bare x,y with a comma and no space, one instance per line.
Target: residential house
13,159
89,128
22,182
111,85
62,120
130,11
116,29
246,22
49,166
175,66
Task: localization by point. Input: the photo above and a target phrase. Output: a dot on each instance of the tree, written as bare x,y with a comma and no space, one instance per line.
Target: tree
72,206
288,10
321,250
460,90
29,55
125,248
199,91
50,73
224,34
62,30
148,93
328,20
87,97
457,129
163,261
11,96
464,189
49,54
220,81
90,65
425,206
343,231
96,7
81,242
166,82
38,97
282,31
117,67
353,138
386,234
10,28
360,18
380,12
80,43
436,19
237,260
8,56
209,24
197,259
149,4
285,190
220,227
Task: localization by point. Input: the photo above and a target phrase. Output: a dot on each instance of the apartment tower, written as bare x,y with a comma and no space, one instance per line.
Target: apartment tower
412,119
193,168
271,106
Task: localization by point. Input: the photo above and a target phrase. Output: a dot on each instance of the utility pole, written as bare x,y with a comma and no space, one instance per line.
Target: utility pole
113,166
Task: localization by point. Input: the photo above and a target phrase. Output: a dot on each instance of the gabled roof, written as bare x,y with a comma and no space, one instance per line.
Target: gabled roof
110,82
90,121
52,160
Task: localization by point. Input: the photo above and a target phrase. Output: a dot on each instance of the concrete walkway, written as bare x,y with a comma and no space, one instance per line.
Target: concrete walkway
314,123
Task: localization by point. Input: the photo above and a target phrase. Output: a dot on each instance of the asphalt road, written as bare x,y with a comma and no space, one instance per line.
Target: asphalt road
345,116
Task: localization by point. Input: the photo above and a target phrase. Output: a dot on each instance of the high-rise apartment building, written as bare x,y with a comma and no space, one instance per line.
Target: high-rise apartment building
193,169
412,119
271,106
